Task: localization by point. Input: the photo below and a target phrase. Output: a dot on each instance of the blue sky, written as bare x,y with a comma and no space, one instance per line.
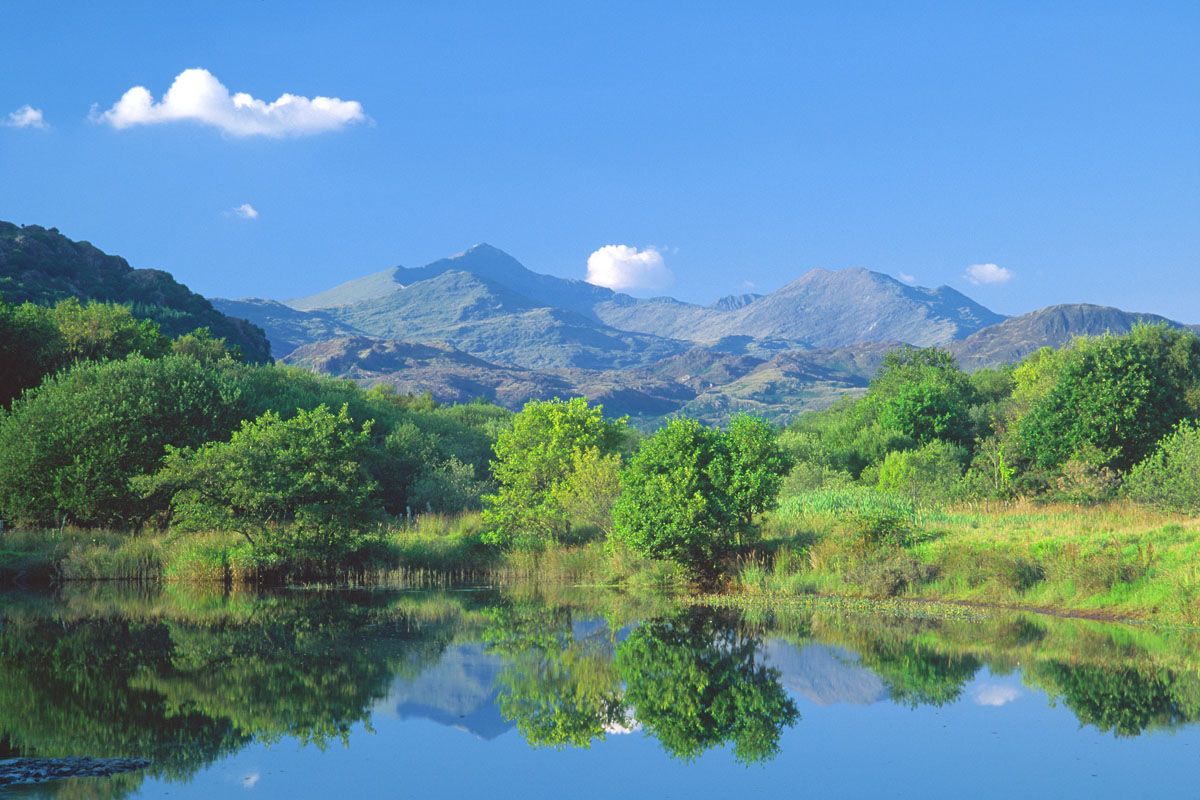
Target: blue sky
745,143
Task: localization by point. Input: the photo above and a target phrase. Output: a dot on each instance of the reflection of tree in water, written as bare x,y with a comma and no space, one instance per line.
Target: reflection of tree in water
693,680
696,681
183,692
918,675
1124,700
558,689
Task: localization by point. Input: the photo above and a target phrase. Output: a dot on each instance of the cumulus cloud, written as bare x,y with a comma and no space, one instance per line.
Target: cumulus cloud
988,273
619,266
993,694
245,211
26,117
197,96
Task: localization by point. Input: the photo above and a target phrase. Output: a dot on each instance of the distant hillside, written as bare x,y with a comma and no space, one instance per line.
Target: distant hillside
820,308
483,261
285,327
710,386
1016,337
42,266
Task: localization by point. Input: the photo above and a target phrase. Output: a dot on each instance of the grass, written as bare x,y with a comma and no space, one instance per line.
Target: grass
1116,559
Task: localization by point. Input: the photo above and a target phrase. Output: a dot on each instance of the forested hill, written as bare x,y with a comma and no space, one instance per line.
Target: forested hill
42,266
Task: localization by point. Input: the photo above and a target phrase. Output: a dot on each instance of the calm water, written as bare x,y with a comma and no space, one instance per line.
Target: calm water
528,693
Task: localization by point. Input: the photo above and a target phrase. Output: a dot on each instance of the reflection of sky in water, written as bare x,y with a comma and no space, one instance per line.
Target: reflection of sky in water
840,747
994,694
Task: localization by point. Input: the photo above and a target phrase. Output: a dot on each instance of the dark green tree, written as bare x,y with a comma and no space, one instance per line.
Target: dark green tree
288,485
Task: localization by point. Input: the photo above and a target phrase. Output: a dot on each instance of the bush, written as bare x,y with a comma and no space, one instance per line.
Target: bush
71,446
1169,478
691,494
890,573
932,474
549,456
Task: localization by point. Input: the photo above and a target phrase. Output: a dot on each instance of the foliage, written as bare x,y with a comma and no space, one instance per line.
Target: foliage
1169,478
922,394
296,484
201,345
691,493
930,474
1118,395
69,448
36,341
552,447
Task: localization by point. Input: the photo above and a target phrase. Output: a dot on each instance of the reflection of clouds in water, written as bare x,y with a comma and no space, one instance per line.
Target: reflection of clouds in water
616,728
248,781
993,694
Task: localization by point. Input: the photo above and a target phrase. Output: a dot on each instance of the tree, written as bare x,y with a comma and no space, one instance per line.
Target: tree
1112,395
691,493
294,484
537,464
924,395
1169,478
36,341
69,448
201,345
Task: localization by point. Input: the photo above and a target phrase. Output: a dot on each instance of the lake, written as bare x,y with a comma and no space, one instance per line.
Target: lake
557,691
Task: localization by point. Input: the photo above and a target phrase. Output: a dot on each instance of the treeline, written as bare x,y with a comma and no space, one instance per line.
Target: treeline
112,424
1102,417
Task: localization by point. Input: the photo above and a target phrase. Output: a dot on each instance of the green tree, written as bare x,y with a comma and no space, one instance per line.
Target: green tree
929,474
201,345
922,393
537,465
70,447
691,493
1169,478
1116,395
286,485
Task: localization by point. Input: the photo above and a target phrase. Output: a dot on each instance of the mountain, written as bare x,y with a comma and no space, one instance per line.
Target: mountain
483,261
1016,337
708,385
821,308
40,265
285,327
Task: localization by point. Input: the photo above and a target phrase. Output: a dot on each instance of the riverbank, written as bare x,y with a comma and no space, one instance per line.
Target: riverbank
1115,561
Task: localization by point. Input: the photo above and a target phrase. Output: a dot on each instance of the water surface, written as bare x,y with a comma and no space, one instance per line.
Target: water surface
559,692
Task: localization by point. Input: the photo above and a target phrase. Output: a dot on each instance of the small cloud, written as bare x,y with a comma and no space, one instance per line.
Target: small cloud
197,96
988,273
250,779
749,285
26,117
995,695
245,211
904,276
619,266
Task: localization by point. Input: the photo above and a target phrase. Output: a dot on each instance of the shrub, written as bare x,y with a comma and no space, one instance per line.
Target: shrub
931,474
1169,478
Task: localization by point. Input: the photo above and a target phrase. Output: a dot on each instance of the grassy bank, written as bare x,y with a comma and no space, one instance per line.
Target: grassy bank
434,550
1116,560
1109,560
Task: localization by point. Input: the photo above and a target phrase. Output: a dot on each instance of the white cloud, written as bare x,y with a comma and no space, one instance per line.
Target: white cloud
988,273
619,266
245,211
250,779
197,96
993,694
26,117
904,276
